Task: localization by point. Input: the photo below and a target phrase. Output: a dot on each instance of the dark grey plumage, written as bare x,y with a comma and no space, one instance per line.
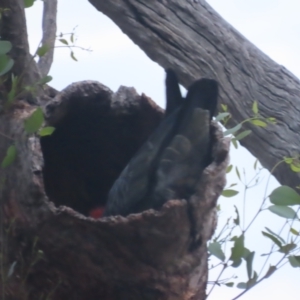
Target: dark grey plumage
172,160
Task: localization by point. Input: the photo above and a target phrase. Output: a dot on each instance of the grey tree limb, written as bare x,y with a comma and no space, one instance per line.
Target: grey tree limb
49,35
194,40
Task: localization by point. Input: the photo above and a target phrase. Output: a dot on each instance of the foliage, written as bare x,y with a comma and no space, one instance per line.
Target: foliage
228,249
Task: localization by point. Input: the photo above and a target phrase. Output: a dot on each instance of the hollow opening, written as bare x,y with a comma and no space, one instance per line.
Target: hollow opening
91,145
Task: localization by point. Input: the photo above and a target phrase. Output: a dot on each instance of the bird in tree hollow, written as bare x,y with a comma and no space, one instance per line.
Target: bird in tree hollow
170,163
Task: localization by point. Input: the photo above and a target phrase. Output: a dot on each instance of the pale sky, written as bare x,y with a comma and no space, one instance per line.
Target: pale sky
272,25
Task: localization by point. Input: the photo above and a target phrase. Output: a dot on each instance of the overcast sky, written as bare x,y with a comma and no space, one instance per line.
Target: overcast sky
272,25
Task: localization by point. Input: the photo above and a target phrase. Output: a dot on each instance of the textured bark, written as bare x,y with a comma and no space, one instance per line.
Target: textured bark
13,29
49,35
58,253
191,38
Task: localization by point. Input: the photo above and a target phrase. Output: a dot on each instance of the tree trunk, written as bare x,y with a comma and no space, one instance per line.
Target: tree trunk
55,252
13,29
191,38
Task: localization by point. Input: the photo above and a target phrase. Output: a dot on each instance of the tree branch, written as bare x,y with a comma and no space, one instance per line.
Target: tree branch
191,38
49,35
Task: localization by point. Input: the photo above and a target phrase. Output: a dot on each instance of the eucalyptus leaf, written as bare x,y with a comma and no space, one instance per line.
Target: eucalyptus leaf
282,211
28,3
276,235
237,251
229,168
215,249
5,47
242,135
35,121
258,123
233,130
42,50
229,193
284,195
10,156
272,238
255,107
6,63
222,116
294,261
46,131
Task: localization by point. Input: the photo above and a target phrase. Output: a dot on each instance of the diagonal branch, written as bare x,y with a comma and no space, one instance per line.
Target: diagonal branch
191,38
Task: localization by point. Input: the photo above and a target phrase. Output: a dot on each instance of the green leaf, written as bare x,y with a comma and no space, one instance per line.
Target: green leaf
273,238
64,41
229,284
255,164
252,281
72,38
73,56
294,261
255,107
229,193
10,156
258,123
246,253
295,167
45,80
288,160
46,131
41,51
237,220
5,47
35,121
286,249
249,263
237,251
284,195
229,168
215,249
282,211
237,173
222,116
233,129
242,285
224,107
28,3
272,120
243,134
12,93
234,142
276,235
271,270
6,64
294,231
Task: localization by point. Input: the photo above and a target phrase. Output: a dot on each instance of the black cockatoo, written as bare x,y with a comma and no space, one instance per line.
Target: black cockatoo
171,161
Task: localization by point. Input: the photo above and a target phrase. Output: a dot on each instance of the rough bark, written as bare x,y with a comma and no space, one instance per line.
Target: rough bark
191,38
57,252
49,35
13,29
